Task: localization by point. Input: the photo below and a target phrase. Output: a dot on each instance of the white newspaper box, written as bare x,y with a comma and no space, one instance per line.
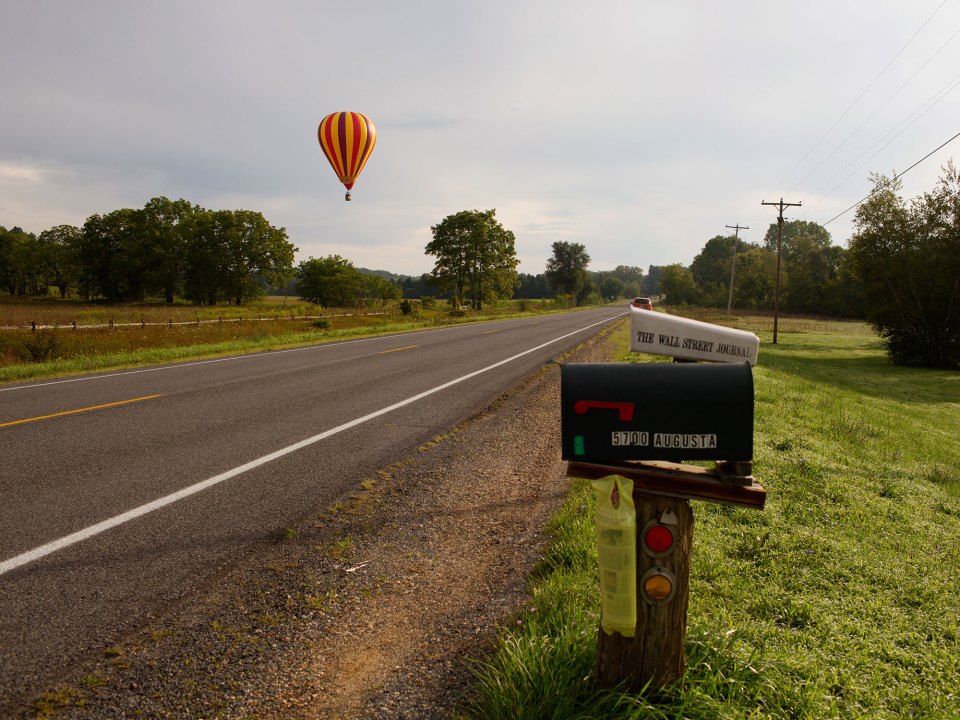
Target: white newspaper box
661,334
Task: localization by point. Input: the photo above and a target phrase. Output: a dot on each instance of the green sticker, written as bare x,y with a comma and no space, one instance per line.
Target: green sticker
578,445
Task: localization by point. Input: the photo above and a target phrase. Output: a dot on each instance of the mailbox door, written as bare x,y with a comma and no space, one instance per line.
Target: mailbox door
656,411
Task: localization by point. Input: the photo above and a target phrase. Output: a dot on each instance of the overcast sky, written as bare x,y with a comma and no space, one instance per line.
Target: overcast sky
638,128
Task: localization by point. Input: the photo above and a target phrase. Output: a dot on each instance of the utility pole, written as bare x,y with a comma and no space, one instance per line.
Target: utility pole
733,265
776,298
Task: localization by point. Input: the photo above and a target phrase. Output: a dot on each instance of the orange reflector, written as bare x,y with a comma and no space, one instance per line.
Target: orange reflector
657,587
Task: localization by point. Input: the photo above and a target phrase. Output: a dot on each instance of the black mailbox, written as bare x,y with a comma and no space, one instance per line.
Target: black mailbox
656,411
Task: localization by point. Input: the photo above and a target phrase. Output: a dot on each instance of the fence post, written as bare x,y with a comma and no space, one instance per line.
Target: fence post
654,656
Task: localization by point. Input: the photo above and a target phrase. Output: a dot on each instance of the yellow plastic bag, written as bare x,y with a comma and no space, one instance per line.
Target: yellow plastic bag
616,520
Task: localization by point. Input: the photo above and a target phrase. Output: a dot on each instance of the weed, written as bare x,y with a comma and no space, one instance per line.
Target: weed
47,705
341,549
92,680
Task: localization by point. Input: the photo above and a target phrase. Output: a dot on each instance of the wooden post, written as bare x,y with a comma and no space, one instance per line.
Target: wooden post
654,656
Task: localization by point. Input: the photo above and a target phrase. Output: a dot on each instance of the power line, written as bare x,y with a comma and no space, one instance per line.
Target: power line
860,96
903,126
873,114
895,177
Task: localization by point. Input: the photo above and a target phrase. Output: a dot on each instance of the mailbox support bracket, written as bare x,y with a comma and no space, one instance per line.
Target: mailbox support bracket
681,481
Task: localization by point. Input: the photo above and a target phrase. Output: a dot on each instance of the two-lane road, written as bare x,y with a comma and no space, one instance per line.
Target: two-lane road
123,492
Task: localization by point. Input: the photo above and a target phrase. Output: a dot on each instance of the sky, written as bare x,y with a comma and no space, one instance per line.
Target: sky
639,129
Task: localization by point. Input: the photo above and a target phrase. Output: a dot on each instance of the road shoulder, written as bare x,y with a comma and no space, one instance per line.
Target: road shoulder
379,608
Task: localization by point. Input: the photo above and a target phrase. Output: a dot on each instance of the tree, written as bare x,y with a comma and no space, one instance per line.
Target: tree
611,287
531,286
631,277
712,264
20,263
113,261
756,279
678,286
567,269
332,281
476,257
793,232
165,232
379,290
908,259
58,255
229,249
651,281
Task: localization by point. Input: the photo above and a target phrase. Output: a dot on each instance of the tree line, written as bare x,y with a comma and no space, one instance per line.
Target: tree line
168,249
816,276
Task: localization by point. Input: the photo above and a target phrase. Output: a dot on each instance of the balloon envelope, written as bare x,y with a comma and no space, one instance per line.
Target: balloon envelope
347,139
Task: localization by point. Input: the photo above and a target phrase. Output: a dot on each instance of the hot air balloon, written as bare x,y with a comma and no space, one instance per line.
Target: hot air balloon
347,139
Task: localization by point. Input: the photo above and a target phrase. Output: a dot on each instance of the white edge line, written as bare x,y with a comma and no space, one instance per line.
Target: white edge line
88,532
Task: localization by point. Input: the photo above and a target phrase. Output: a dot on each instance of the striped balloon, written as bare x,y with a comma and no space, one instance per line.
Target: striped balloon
347,139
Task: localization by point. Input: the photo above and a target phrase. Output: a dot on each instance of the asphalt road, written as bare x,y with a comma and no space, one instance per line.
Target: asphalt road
123,493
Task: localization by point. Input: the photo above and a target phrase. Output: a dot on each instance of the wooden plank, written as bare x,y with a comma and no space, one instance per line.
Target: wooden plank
676,480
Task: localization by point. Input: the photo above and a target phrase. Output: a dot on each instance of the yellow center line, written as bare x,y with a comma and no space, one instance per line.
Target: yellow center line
408,347
73,412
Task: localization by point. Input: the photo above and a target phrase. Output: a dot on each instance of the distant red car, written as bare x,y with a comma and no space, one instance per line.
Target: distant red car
642,302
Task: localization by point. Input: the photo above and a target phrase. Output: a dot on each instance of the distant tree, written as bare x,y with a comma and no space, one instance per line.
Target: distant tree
113,261
795,231
677,285
611,287
166,234
228,250
379,290
58,252
418,287
712,264
908,258
567,269
20,263
475,257
531,287
331,281
651,281
755,280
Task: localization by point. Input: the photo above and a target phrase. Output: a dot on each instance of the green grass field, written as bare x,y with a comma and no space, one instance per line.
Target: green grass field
840,600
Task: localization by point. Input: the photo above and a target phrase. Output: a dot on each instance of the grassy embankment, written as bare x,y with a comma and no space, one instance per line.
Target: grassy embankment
840,599
184,332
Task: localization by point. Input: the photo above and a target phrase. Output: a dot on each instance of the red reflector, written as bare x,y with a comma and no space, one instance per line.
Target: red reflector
659,538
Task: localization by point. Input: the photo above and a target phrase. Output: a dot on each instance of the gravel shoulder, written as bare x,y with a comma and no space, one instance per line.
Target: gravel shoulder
377,609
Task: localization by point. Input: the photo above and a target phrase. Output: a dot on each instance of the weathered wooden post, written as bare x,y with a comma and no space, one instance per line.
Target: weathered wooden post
639,421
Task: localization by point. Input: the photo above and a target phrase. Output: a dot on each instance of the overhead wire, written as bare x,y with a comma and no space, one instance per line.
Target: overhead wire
931,103
891,181
860,96
878,109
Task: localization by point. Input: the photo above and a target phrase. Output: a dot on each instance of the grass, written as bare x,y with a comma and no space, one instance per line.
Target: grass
839,600
61,351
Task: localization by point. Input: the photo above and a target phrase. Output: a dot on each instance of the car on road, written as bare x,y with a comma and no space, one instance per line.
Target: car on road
642,302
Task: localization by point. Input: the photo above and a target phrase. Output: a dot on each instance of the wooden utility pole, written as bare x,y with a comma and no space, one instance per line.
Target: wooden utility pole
733,265
776,298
